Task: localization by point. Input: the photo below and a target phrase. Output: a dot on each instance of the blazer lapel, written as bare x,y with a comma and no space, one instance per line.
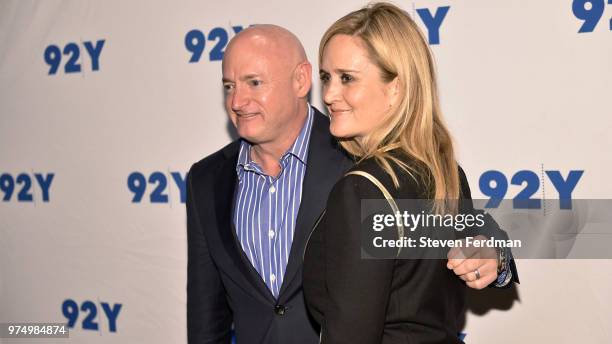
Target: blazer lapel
325,166
225,189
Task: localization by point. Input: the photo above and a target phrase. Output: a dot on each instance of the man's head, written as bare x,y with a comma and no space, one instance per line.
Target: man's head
266,77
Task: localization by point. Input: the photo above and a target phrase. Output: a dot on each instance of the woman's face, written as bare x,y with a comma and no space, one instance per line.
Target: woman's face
356,96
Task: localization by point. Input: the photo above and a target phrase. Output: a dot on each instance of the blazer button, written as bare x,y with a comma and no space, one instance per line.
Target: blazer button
280,309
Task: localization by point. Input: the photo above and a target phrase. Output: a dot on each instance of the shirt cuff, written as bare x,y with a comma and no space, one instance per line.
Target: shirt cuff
506,274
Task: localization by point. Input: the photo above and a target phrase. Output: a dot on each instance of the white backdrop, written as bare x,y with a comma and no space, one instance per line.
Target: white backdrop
521,89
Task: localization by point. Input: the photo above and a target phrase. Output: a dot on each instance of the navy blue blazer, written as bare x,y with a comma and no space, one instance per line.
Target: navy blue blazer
222,285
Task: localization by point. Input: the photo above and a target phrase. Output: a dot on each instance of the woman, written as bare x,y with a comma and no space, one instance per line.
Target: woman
379,86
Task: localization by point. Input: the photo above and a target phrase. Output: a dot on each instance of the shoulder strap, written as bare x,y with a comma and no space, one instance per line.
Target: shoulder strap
388,197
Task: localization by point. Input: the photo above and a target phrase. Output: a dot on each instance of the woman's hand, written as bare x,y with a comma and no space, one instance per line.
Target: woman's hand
477,266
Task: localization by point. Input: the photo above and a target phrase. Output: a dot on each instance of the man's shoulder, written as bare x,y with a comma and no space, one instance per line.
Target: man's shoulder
215,160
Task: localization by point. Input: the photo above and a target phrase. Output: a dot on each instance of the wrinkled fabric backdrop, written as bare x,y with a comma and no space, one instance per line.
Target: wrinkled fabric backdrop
104,106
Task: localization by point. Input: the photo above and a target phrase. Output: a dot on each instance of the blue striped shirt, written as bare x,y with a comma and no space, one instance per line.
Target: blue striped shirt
266,207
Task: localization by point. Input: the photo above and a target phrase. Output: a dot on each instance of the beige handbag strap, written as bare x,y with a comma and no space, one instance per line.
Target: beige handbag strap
388,197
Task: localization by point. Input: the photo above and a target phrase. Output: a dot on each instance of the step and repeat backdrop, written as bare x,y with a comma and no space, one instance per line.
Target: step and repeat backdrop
104,106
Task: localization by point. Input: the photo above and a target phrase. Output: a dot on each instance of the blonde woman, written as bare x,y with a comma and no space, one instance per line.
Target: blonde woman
379,86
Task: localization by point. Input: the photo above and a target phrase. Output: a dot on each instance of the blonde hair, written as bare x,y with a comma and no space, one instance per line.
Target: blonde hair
414,124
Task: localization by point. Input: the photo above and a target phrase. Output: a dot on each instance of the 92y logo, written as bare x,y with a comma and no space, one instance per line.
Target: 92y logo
590,12
22,184
494,184
53,56
195,43
89,314
138,183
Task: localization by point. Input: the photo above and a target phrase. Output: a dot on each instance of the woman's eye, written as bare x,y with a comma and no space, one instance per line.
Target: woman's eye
346,78
324,77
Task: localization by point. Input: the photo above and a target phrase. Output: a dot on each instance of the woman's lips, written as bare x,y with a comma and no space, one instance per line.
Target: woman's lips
338,112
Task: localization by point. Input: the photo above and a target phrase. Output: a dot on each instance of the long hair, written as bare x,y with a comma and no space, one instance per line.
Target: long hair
414,124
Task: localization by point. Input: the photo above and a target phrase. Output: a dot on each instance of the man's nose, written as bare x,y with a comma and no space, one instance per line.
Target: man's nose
239,99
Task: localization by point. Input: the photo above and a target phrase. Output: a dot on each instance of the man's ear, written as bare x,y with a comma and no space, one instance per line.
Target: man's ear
303,79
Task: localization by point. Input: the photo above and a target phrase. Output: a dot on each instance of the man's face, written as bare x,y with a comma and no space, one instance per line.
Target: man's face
259,91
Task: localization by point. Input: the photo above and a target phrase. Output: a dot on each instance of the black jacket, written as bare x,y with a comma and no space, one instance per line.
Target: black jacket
222,285
372,301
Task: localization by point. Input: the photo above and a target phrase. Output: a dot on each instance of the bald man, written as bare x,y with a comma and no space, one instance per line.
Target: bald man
251,205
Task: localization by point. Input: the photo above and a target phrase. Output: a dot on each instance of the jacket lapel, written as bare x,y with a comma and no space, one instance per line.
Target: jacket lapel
325,165
225,189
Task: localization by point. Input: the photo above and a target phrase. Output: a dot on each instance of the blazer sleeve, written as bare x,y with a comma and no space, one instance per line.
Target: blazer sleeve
491,228
358,289
209,317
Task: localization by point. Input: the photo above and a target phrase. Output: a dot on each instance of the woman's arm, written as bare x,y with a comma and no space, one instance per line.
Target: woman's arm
358,288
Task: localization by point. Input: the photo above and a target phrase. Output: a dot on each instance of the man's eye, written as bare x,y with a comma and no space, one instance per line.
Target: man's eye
228,87
255,82
346,78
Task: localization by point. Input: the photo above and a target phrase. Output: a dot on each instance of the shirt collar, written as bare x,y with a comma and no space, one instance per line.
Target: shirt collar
299,148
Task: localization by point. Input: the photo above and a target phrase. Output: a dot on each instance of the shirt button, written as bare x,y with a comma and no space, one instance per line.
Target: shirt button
272,189
271,233
272,277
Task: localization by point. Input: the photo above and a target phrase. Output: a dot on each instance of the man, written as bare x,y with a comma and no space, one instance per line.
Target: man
251,205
